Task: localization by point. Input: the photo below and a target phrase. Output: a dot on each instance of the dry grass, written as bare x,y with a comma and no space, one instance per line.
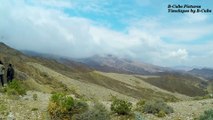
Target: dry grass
176,83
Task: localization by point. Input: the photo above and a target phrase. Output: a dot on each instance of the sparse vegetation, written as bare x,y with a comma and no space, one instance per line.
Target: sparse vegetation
203,97
187,85
140,105
15,88
62,106
121,107
79,107
97,112
158,108
34,109
161,114
138,116
35,97
208,115
2,106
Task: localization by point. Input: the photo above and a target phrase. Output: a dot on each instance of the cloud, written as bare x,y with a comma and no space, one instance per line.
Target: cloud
194,18
180,54
44,27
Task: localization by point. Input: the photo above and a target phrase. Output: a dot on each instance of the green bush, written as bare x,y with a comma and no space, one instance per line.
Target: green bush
161,114
34,109
60,106
64,107
35,97
158,108
15,88
121,107
140,104
79,107
97,112
208,115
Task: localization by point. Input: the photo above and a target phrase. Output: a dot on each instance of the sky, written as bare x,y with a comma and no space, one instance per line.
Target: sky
141,30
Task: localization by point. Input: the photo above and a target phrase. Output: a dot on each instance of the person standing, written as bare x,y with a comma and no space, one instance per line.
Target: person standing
2,73
10,73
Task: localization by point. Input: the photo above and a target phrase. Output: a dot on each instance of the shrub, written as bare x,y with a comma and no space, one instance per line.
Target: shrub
97,112
15,88
64,107
161,114
208,115
138,116
34,109
157,107
121,107
79,107
35,97
60,106
140,104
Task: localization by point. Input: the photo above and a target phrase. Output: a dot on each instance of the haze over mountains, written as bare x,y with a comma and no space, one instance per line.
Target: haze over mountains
79,68
112,63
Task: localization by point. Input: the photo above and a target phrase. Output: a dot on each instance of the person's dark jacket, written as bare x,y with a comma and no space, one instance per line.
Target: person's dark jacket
10,73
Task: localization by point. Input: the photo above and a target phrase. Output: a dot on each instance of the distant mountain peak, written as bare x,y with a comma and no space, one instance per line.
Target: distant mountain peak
112,63
206,73
3,45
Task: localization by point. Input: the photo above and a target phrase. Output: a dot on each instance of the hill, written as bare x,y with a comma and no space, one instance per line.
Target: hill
110,63
63,75
205,73
180,83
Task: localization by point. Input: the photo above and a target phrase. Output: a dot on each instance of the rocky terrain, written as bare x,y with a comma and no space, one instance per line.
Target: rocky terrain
26,108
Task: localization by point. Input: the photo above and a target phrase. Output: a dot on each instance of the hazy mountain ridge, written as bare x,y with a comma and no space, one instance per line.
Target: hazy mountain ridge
206,73
106,63
110,63
82,73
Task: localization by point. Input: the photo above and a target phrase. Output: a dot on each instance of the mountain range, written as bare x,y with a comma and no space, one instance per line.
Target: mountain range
103,76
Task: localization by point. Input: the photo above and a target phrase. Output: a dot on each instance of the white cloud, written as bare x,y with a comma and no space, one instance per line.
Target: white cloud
186,33
180,54
194,18
44,29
